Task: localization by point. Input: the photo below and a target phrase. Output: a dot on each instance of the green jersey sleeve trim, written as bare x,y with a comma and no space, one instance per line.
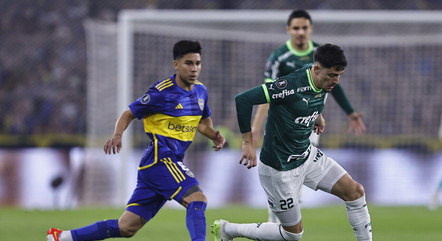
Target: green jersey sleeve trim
310,81
268,80
299,53
266,92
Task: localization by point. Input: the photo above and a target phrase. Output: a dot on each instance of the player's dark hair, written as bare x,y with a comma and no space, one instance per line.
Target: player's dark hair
299,14
330,55
184,47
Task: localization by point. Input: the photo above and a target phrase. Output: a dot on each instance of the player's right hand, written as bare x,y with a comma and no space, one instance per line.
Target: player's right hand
248,157
113,145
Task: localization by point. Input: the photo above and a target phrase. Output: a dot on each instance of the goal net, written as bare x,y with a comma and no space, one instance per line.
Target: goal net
392,77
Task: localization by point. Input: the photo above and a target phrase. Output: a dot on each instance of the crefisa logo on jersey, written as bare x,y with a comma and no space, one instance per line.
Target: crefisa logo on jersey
201,103
283,94
145,99
306,120
281,83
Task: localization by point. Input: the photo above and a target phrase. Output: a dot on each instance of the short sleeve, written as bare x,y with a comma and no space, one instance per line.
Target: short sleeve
149,103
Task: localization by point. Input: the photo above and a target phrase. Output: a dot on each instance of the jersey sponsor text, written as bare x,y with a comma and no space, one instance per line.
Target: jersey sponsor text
283,94
182,128
306,120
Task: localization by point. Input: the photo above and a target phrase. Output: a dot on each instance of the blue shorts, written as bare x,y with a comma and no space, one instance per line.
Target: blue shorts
157,183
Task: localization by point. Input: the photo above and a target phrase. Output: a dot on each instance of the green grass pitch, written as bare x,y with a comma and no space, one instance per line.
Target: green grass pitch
327,223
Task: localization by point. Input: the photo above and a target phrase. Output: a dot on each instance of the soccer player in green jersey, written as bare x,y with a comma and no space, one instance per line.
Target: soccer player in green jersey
296,53
288,160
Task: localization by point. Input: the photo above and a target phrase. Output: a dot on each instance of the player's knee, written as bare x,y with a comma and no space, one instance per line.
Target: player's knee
127,230
196,196
358,191
353,192
289,236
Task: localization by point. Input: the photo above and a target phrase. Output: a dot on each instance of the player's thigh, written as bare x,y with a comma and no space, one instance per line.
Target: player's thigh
170,178
323,172
145,201
282,189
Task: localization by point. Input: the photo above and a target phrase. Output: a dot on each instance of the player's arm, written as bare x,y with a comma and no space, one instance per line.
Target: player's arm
355,119
244,107
114,144
271,72
205,127
258,122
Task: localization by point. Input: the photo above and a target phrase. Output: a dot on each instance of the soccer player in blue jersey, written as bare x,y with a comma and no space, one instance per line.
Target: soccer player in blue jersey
288,160
172,111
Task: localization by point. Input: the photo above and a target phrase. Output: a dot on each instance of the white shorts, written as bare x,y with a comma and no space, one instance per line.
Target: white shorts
283,187
314,139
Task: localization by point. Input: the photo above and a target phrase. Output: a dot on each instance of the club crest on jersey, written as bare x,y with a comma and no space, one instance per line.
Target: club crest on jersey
281,83
201,103
145,99
190,174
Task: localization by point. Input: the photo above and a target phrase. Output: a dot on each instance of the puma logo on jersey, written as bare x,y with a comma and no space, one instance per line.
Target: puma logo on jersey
178,107
305,100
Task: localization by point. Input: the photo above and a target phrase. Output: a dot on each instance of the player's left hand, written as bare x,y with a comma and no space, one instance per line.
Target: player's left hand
219,141
113,145
356,124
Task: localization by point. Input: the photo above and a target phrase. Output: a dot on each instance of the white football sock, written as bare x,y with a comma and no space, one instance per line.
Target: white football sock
63,236
259,231
66,236
359,218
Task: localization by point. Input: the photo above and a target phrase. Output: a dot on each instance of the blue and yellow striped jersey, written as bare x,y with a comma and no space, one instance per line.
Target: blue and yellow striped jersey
171,116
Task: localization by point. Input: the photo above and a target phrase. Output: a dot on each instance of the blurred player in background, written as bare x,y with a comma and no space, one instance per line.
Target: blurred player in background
172,110
434,201
296,53
288,160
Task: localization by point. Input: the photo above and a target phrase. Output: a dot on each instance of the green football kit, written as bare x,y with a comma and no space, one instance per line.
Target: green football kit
295,104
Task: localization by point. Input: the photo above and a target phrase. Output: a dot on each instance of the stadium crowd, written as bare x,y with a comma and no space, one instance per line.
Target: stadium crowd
43,73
